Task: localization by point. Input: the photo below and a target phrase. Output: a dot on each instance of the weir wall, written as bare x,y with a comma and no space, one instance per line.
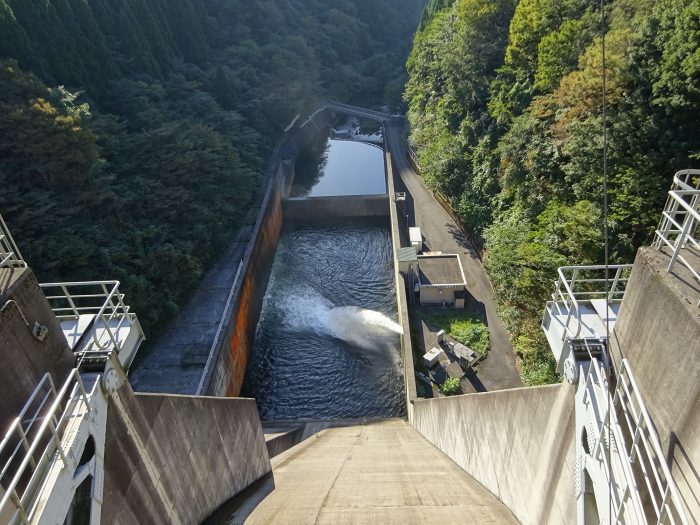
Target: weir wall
303,210
517,443
173,459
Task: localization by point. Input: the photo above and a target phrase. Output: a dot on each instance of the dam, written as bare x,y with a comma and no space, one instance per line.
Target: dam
327,344
96,449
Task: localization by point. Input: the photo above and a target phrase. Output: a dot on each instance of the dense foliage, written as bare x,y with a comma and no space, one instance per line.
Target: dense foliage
133,132
506,114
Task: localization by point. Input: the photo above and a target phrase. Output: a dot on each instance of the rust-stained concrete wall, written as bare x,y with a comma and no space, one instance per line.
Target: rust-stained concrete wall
518,443
175,459
658,332
225,370
22,303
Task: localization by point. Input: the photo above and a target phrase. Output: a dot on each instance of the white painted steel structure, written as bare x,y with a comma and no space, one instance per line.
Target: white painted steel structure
10,257
582,302
95,319
621,471
46,456
678,229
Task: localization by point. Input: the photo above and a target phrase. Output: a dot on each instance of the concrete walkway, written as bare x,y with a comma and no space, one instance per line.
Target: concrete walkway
378,472
441,233
175,362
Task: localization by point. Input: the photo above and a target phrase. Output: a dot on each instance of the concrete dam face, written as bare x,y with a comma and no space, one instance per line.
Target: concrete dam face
327,343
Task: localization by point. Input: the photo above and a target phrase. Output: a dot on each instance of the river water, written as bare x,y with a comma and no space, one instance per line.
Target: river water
327,343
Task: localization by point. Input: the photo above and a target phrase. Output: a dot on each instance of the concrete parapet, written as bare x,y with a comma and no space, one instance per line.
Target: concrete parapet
312,210
518,443
409,376
176,459
658,332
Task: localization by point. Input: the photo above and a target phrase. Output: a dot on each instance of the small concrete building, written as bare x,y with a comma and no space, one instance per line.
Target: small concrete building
441,279
416,238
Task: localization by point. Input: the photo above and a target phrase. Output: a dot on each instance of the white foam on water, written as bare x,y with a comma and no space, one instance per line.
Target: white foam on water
307,310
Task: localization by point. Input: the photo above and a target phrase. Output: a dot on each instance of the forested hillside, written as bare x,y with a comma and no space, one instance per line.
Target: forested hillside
133,132
506,114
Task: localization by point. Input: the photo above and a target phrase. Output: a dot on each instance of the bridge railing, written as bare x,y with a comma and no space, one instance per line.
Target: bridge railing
678,228
34,438
10,257
585,283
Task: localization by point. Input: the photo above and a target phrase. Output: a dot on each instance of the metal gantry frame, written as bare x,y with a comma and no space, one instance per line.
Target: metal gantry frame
678,227
618,448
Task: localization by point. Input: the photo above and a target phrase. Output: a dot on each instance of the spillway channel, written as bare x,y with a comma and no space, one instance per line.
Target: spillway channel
327,344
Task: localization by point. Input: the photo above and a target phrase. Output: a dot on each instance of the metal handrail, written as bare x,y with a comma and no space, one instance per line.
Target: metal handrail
101,298
10,256
43,443
658,487
661,487
680,219
566,292
596,377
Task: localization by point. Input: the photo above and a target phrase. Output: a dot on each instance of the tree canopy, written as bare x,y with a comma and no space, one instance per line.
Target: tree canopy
505,106
133,132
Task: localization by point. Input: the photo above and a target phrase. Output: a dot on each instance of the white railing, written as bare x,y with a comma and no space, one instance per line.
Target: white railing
33,440
645,452
680,219
100,299
628,448
624,499
10,257
584,283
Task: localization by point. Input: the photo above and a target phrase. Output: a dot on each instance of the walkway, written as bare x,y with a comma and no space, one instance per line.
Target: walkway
378,472
443,234
176,360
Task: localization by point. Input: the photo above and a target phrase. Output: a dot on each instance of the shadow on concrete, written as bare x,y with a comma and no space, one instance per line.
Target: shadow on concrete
461,239
476,307
682,466
236,510
475,381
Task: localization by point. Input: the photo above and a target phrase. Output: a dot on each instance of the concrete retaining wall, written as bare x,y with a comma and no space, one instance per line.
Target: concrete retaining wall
311,210
225,369
518,443
409,375
658,331
176,459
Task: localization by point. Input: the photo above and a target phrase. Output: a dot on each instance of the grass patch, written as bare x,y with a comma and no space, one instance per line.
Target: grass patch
468,329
